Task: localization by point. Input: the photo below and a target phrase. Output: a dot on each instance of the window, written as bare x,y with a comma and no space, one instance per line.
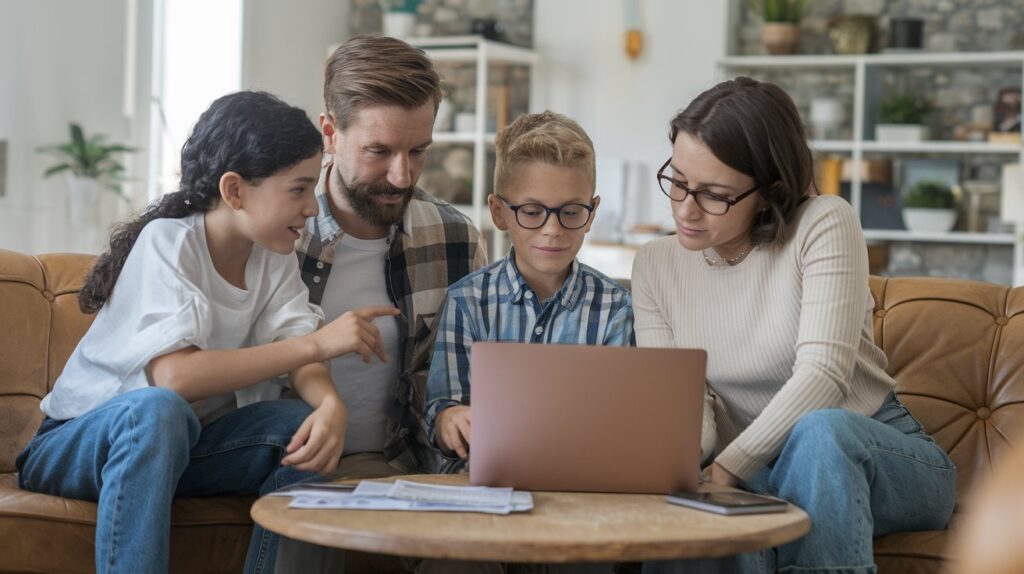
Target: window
197,57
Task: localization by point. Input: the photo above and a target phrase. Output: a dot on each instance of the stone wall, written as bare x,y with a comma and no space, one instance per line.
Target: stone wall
959,96
452,17
950,25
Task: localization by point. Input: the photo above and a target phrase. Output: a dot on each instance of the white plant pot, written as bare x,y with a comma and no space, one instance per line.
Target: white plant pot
83,202
399,24
928,220
901,133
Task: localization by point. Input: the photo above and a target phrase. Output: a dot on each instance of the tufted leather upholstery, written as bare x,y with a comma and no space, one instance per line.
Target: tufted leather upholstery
40,324
952,347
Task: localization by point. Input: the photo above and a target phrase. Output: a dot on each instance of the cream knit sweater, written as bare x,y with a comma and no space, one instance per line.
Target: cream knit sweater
787,330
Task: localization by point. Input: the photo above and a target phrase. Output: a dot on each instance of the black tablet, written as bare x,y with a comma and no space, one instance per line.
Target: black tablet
728,502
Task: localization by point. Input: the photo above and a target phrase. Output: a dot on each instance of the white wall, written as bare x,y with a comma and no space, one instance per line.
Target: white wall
285,44
626,105
63,61
60,61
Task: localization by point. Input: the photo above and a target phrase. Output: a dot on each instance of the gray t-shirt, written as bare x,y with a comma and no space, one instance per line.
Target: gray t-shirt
357,281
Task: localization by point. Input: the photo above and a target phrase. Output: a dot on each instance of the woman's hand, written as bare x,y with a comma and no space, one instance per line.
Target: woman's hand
317,445
717,474
453,430
353,332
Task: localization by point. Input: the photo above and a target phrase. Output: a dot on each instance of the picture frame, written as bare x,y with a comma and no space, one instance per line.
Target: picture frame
913,170
1006,114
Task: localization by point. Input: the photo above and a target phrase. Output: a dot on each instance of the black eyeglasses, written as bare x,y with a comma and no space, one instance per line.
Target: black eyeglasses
535,215
710,203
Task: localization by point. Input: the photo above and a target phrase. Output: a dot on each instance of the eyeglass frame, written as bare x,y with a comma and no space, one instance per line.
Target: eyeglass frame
548,211
728,201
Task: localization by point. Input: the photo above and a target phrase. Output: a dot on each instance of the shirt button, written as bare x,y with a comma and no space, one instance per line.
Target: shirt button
538,331
319,264
316,279
529,295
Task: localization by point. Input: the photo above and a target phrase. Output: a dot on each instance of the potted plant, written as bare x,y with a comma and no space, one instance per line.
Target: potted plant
901,118
780,32
929,207
91,166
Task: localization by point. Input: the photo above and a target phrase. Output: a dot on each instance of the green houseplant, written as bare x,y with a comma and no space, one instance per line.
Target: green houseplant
780,32
929,207
88,158
90,165
901,118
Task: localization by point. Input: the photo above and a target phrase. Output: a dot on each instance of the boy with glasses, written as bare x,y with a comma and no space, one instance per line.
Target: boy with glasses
544,179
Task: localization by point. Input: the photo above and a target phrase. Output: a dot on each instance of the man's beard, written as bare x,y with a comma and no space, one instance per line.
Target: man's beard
361,198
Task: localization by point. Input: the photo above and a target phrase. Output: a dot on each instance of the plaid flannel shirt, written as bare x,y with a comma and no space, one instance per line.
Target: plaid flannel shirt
496,304
433,246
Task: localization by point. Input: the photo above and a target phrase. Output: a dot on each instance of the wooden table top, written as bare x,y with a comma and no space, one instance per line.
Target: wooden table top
562,527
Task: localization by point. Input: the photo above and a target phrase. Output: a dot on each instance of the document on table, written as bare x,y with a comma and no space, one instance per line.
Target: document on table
406,495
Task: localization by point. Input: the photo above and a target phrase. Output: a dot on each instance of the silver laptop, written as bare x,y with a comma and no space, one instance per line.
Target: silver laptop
586,418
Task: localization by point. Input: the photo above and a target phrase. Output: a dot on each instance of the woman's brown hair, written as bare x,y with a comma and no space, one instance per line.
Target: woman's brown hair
754,128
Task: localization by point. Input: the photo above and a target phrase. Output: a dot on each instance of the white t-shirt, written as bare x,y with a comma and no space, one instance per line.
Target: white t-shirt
357,280
169,297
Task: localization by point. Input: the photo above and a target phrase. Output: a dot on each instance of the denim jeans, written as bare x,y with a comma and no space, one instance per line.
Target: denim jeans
136,452
857,477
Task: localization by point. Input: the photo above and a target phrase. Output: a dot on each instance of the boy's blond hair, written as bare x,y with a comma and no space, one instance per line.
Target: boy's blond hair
546,137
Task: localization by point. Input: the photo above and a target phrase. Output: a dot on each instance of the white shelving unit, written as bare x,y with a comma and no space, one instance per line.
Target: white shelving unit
867,71
481,52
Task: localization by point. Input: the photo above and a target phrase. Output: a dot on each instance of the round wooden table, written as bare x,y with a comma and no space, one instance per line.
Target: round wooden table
562,527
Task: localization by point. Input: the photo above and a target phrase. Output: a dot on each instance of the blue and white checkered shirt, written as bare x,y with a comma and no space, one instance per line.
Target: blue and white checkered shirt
496,304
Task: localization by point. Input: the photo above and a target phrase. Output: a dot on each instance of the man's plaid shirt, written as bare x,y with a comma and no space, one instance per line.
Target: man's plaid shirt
432,247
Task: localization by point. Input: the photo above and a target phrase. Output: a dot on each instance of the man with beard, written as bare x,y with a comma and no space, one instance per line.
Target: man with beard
380,240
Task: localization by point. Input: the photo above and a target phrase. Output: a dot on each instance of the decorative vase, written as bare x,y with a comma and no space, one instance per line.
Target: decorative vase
929,220
852,34
780,37
826,117
399,24
86,207
83,202
906,34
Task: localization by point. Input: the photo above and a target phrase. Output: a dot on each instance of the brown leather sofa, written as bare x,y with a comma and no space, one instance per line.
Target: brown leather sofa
953,347
40,324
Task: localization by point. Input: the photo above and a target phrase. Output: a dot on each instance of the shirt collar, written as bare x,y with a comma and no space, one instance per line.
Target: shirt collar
568,295
330,229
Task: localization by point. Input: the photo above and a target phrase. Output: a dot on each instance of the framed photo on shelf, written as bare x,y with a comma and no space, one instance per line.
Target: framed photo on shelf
1006,118
913,170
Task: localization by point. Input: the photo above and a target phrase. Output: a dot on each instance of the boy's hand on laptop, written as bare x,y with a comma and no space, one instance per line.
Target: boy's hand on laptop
353,332
453,430
718,475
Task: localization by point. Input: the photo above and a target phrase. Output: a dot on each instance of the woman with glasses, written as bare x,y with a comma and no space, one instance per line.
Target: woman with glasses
772,280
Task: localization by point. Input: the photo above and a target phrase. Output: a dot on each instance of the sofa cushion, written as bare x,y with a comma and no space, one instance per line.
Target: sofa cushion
952,348
42,325
208,534
912,552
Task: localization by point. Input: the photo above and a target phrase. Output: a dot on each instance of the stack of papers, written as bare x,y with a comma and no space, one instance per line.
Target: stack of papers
406,495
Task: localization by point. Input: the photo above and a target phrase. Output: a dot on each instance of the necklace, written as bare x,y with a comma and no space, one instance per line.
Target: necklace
714,260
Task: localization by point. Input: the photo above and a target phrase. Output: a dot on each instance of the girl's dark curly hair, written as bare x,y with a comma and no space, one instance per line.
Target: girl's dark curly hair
253,134
754,128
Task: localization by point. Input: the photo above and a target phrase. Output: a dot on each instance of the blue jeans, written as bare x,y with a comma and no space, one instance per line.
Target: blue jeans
136,452
857,477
